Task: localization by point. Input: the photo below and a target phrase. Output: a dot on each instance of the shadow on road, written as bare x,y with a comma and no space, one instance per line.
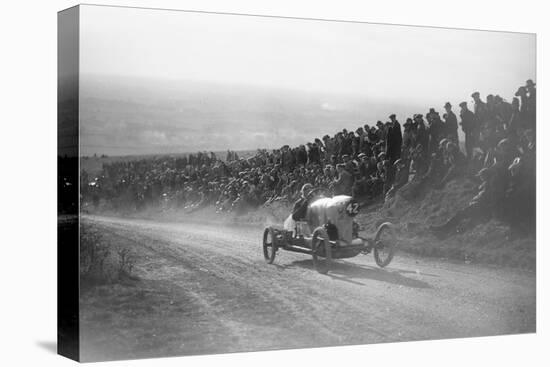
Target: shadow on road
351,273
401,271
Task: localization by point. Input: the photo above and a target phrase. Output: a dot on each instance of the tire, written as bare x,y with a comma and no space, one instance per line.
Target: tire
384,244
322,251
269,245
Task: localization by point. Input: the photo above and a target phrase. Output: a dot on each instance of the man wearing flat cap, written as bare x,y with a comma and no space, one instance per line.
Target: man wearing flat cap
480,109
451,123
468,123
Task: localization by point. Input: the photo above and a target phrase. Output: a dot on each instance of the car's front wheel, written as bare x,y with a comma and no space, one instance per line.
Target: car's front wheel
384,244
269,245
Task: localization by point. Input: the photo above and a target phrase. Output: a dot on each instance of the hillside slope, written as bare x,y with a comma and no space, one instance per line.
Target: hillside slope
486,242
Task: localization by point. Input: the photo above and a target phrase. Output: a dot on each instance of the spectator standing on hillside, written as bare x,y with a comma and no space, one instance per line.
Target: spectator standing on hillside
380,131
436,129
422,137
360,140
524,108
514,124
532,91
354,144
531,102
301,155
481,111
286,158
468,123
408,138
314,154
394,140
503,111
451,123
329,146
490,103
346,146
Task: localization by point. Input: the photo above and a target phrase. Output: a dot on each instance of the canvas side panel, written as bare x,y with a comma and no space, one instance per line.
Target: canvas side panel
67,183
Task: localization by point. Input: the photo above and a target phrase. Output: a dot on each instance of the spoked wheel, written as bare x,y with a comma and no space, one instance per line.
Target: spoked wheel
384,244
322,252
269,245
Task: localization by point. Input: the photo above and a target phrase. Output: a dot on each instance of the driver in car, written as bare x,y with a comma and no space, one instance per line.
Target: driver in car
300,207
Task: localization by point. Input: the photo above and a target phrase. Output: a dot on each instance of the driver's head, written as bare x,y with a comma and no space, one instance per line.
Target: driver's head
306,189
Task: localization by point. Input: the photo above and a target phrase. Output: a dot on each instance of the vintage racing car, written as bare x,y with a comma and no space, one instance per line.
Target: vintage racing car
329,232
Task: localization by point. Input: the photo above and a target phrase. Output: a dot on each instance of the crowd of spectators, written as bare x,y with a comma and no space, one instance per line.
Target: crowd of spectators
374,162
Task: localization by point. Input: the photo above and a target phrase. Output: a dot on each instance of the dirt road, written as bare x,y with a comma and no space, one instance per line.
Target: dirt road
207,289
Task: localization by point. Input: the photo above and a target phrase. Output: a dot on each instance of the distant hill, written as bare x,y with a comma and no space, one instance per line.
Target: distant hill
139,116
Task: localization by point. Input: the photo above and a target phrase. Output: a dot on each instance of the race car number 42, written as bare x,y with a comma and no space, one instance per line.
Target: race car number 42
352,209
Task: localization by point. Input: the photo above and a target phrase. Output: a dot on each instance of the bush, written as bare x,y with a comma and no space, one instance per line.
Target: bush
93,255
126,262
102,262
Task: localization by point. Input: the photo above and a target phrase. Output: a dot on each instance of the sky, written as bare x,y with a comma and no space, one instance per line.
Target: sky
386,64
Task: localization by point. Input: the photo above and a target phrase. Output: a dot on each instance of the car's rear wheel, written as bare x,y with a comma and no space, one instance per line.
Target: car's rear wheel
384,244
269,245
321,251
